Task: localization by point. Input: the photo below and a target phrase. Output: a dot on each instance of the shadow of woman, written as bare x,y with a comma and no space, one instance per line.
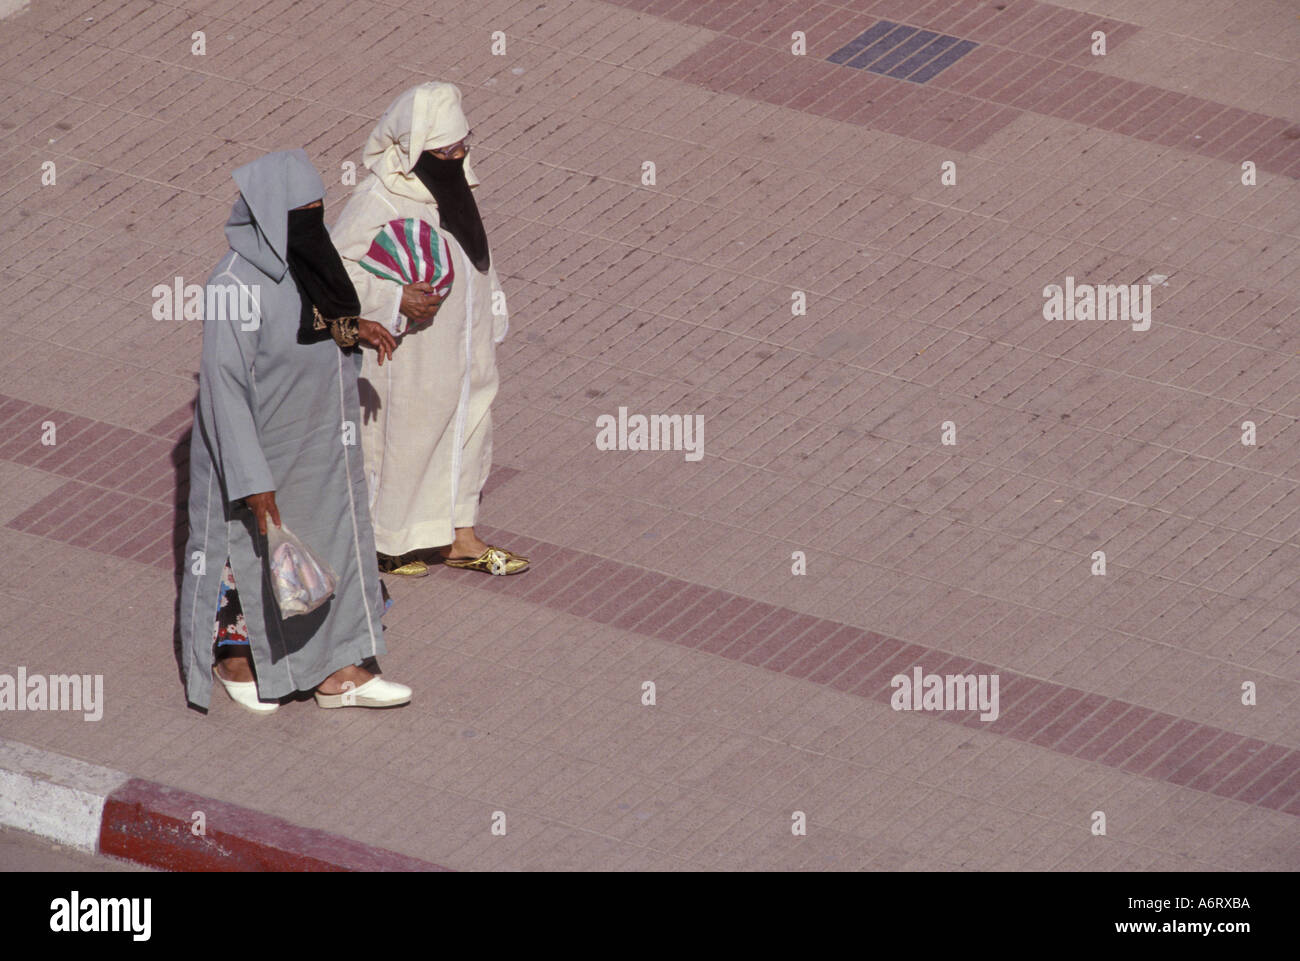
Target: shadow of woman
180,533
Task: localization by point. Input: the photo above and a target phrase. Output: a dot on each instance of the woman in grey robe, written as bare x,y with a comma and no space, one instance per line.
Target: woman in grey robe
276,440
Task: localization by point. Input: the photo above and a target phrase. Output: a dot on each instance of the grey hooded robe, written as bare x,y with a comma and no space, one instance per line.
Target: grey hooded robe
274,414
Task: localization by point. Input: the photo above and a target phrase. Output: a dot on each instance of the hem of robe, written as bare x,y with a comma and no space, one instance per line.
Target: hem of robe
424,536
430,534
199,694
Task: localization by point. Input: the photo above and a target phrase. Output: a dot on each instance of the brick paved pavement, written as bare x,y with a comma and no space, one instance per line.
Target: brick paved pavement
775,173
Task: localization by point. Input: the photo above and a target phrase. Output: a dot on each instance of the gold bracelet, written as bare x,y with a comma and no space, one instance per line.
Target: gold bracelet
345,330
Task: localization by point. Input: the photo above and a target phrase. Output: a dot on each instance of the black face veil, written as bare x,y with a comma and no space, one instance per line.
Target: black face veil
318,272
457,211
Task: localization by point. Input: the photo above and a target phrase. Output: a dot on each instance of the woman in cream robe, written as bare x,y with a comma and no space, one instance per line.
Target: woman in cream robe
426,415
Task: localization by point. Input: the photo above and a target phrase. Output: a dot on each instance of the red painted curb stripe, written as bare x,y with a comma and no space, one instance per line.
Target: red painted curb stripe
153,824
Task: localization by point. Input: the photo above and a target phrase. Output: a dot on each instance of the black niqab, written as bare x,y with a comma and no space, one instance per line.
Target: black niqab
319,274
457,211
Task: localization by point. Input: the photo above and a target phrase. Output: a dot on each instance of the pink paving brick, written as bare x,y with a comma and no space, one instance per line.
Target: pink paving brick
22,439
944,15
688,603
1183,133
1209,755
544,581
72,435
833,667
174,424
621,600
1030,18
771,624
1235,140
1052,89
840,637
619,580
1138,738
750,617
876,683
1096,748
830,85
583,585
703,624
1029,74
996,122
103,532
780,647
772,23
1067,721
998,68
557,580
1091,726
1146,113
1267,781
106,457
44,514
1282,797
10,409
1151,752
1075,98
1210,777
1022,697
1194,743
990,21
1177,111
1236,782
1074,34
1058,705
74,516
1116,107
802,649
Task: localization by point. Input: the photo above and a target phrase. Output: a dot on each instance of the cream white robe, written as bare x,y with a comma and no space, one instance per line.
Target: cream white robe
426,422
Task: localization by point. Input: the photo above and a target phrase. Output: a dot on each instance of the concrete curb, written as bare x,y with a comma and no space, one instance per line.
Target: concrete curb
102,811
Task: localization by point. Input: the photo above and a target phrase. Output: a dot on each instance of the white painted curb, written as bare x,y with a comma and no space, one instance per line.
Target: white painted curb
56,797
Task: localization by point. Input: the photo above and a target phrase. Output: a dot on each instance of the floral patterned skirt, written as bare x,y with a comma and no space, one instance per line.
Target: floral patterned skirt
230,628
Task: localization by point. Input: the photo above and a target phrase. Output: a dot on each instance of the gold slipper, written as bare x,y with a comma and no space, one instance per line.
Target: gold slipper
403,565
494,560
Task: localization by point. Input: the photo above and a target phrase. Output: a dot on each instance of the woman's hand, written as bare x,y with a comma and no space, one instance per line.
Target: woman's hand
378,337
261,505
419,302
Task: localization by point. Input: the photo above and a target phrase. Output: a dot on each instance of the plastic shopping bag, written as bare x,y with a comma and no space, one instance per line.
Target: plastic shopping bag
302,581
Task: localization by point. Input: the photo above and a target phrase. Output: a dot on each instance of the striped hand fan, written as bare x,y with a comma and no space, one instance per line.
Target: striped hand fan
408,252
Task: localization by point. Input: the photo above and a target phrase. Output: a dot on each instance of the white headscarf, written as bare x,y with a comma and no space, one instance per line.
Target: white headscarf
423,118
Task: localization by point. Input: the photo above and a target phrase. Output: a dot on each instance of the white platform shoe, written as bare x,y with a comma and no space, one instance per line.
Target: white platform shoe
376,692
244,693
